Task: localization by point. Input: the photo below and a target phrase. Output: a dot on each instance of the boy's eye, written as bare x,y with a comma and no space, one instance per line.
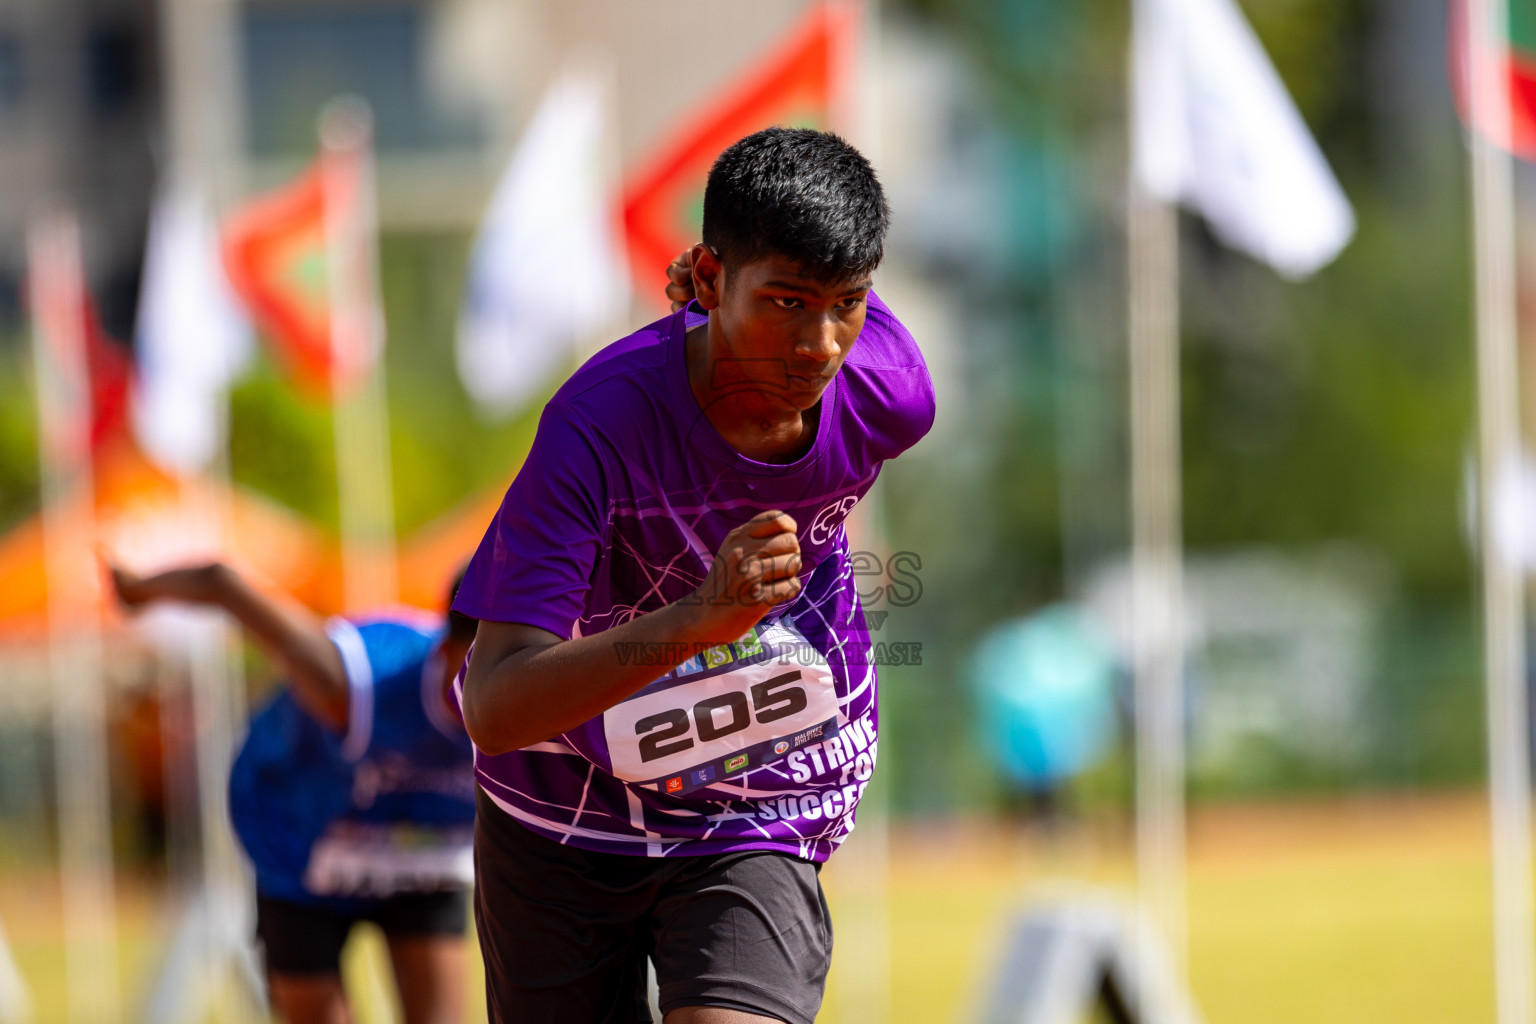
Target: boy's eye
851,303
784,302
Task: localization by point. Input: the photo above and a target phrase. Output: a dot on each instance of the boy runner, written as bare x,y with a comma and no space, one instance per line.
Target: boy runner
670,693
352,794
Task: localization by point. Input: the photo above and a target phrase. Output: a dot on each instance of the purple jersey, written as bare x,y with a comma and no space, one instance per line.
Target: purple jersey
627,493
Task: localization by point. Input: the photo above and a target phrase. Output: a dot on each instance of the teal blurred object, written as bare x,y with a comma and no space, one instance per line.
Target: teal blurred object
1045,687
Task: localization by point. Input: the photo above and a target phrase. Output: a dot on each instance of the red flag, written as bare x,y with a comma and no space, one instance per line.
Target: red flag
1517,58
109,367
277,257
799,83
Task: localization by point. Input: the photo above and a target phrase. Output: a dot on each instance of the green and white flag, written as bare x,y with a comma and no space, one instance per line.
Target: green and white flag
1518,57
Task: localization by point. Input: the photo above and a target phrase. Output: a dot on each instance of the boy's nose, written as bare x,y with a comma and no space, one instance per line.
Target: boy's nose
822,346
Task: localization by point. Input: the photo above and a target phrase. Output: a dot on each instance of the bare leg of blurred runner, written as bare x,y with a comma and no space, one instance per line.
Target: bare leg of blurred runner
714,1015
429,974
308,998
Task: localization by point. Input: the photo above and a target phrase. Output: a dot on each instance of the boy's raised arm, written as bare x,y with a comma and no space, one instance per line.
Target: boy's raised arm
292,634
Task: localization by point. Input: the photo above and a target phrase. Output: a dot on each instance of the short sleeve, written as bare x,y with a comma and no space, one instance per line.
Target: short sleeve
891,383
534,565
354,658
394,685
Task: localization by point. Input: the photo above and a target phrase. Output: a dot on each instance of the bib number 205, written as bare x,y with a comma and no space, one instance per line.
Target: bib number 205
668,732
689,723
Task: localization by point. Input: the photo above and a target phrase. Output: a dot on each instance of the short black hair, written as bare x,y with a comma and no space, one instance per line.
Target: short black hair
800,193
461,627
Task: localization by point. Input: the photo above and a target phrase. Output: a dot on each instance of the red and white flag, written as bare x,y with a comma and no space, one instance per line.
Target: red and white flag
302,259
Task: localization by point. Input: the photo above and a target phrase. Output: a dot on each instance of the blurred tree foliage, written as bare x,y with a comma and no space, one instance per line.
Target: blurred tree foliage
18,430
1334,409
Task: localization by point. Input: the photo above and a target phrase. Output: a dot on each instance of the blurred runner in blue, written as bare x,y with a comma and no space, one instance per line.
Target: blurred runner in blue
353,794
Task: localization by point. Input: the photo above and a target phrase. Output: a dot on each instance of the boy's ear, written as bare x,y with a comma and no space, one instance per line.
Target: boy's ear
708,276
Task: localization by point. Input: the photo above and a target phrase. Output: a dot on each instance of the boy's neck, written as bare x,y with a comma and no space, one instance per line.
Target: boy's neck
755,421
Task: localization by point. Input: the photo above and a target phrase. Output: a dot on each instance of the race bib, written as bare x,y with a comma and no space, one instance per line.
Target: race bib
724,712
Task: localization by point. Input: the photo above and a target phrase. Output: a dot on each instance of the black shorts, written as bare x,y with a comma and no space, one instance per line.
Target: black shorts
566,932
299,939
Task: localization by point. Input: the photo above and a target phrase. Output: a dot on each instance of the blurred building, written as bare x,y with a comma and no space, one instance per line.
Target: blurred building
1284,656
79,101
98,98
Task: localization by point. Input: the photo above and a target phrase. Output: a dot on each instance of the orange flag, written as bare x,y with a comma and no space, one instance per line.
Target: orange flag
799,83
277,257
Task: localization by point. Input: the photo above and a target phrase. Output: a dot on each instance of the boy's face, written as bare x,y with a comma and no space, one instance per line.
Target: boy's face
786,334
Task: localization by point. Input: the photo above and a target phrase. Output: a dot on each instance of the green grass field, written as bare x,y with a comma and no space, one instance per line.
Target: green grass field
1323,913
1351,912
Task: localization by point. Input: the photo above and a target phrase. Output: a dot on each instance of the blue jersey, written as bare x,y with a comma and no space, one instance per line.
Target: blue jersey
387,807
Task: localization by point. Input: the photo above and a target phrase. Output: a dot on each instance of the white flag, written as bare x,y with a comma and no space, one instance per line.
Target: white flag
548,268
192,340
1216,130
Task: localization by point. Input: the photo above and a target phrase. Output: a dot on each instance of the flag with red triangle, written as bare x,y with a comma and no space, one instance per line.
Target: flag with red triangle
800,82
276,256
1517,59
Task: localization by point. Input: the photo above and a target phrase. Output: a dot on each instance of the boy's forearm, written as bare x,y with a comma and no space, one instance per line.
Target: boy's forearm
539,692
295,637
525,685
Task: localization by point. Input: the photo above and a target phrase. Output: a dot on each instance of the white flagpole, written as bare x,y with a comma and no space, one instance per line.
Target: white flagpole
180,323
198,40
359,398
1156,531
862,866
364,480
58,299
218,707
1509,756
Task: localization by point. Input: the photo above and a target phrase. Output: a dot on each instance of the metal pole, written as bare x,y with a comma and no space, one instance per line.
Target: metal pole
202,129
1157,628
58,298
1156,567
861,870
1498,423
364,480
203,108
217,680
860,873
